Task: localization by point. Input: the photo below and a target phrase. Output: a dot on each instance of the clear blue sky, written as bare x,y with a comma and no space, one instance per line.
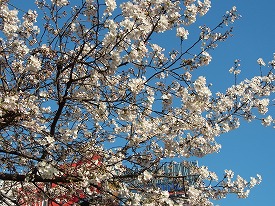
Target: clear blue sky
250,149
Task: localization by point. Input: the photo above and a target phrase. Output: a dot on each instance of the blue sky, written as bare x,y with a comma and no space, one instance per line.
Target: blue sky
250,149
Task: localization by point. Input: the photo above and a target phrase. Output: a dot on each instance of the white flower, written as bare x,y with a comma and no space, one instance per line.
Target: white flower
147,175
111,5
255,181
50,139
182,32
237,71
43,94
244,194
259,177
157,48
262,105
60,2
261,62
34,64
201,88
166,96
229,174
46,170
163,23
136,85
204,172
188,76
204,7
267,121
205,59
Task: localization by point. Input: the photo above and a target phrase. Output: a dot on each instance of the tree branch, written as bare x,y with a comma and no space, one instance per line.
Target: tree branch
37,178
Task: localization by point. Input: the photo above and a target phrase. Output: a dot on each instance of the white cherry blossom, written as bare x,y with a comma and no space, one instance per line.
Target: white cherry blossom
93,105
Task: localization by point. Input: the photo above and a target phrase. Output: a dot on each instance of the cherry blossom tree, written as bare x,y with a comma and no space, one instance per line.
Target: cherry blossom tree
91,106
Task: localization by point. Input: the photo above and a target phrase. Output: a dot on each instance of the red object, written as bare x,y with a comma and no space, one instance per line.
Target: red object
63,200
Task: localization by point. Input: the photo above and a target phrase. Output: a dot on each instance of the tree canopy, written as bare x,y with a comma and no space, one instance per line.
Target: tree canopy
92,107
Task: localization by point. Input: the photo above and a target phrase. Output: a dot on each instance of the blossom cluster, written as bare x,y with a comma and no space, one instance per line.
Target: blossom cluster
91,102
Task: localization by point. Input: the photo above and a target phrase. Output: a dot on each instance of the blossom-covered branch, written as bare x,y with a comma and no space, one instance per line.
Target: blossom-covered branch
92,104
